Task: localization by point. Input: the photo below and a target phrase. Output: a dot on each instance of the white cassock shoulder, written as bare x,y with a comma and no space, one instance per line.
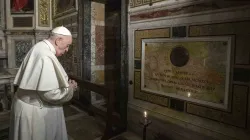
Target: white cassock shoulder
41,74
51,75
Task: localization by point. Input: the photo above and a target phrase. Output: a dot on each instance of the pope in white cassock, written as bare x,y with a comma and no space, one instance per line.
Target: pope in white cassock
37,112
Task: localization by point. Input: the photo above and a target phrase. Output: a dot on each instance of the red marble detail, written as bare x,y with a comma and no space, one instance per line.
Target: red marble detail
178,11
99,40
149,15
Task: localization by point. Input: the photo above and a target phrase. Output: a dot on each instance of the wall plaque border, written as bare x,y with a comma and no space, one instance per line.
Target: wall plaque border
137,3
147,96
226,41
148,33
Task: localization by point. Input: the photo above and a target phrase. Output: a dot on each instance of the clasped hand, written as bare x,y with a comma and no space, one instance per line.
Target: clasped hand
73,84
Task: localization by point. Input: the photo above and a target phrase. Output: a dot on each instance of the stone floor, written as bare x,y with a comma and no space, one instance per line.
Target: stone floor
80,126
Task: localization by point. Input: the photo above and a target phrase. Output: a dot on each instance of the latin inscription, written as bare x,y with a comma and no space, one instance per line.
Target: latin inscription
203,78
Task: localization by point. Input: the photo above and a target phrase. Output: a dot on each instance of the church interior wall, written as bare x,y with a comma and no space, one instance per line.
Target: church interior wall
175,117
20,29
33,24
65,13
105,41
97,48
68,16
72,61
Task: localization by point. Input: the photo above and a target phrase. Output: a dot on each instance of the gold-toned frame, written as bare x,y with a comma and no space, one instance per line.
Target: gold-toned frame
44,13
139,35
224,39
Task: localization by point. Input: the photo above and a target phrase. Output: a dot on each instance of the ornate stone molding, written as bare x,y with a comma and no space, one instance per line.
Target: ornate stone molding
44,13
136,3
19,32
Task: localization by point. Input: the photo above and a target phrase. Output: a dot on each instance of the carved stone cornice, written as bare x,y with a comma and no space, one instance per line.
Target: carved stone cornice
19,32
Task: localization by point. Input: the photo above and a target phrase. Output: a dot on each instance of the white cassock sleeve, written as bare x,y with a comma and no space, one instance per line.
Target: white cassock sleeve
58,96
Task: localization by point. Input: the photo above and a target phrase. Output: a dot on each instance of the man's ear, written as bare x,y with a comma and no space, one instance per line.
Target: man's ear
57,41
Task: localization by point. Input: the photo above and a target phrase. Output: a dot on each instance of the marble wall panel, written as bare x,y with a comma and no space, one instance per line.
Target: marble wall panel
21,49
68,17
236,117
173,12
186,9
143,34
99,76
99,39
238,112
136,3
239,29
149,97
97,47
98,11
44,13
71,61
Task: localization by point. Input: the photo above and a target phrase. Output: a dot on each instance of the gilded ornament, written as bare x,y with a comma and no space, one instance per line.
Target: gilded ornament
44,13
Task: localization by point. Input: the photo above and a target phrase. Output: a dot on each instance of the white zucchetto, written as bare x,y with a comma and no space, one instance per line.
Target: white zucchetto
61,31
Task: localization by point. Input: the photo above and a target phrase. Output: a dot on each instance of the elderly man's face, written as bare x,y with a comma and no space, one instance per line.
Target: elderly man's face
63,44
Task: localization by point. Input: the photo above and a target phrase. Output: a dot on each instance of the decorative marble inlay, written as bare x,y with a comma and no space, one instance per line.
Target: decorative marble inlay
71,61
180,31
22,21
173,12
97,11
54,8
241,75
237,29
136,3
143,34
44,13
21,49
228,28
138,94
67,60
242,49
236,117
2,49
200,7
97,45
99,76
137,64
99,39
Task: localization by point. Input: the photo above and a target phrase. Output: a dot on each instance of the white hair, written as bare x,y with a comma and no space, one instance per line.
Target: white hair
54,36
